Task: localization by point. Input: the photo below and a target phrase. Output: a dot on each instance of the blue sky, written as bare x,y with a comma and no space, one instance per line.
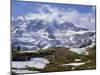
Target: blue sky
22,7
80,15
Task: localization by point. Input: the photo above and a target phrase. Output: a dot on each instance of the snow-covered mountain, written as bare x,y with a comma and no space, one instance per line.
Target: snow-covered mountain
34,33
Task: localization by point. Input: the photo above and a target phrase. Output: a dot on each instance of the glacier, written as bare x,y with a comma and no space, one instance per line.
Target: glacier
34,34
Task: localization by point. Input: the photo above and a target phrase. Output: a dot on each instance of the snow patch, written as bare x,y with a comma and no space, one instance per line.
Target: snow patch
78,50
39,63
74,64
24,71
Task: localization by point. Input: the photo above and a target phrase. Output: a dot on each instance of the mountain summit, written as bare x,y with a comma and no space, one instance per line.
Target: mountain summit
32,33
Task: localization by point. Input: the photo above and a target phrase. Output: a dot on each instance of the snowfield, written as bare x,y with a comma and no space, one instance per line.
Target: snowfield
78,50
24,71
82,50
39,63
74,64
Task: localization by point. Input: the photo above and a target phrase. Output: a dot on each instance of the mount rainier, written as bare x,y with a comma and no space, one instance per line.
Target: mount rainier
30,33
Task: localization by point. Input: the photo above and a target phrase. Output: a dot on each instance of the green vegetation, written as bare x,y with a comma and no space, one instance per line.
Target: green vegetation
59,56
17,56
14,73
91,60
32,69
56,68
64,56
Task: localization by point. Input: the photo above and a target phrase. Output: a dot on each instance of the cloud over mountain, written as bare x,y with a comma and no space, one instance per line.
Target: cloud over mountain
49,13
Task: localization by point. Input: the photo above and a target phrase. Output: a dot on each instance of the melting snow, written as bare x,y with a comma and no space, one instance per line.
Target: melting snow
90,46
77,59
78,50
82,50
74,64
41,60
39,63
24,71
30,51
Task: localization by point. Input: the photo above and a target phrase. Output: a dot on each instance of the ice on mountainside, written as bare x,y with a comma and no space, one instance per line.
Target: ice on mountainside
32,33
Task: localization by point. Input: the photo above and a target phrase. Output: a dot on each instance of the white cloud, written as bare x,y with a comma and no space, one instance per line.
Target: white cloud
49,13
